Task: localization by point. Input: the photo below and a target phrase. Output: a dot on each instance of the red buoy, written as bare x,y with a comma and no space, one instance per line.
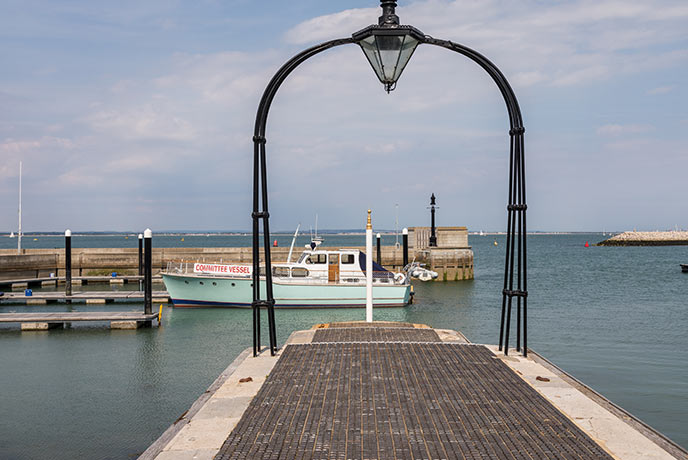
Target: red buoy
275,243
586,244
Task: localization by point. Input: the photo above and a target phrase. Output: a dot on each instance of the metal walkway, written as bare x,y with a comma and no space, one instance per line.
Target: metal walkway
400,393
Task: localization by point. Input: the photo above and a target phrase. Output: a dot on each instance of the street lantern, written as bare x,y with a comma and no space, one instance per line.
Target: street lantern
388,45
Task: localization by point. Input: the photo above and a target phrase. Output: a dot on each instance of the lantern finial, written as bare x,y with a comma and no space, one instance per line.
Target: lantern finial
388,18
388,45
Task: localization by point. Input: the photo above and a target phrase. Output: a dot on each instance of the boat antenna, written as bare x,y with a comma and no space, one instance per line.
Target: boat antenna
293,240
19,234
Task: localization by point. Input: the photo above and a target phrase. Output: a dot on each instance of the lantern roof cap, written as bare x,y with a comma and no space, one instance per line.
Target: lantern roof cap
395,29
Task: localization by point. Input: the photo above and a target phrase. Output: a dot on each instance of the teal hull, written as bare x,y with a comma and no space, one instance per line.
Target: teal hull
210,291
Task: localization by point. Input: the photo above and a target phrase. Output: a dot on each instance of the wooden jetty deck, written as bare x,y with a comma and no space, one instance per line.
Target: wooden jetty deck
93,297
402,391
53,320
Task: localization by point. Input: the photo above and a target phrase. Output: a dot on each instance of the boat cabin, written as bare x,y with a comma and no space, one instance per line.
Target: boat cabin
338,266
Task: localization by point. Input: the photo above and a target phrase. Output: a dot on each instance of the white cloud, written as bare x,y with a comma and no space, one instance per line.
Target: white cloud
147,121
527,78
617,130
331,26
558,43
661,90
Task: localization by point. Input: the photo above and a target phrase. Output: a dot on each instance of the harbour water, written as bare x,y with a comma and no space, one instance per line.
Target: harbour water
615,318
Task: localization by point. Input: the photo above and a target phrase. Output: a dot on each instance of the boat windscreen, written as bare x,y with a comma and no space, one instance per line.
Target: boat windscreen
376,267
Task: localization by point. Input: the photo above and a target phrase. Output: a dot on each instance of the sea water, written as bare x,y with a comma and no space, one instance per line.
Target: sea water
615,318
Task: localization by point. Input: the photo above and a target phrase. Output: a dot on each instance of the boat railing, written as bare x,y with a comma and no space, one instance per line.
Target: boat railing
302,276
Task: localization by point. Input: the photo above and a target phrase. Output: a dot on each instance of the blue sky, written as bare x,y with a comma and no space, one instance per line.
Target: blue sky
132,114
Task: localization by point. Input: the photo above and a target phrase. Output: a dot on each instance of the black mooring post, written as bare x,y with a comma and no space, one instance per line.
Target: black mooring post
379,251
148,272
68,263
404,237
140,262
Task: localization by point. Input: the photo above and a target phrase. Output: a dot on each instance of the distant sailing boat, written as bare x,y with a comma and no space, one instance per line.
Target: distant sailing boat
12,235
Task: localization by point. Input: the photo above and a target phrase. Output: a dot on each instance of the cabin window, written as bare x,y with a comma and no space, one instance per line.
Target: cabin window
299,272
347,258
317,259
282,272
303,256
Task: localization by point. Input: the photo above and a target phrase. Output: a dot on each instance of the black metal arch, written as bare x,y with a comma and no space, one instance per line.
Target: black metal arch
516,208
260,181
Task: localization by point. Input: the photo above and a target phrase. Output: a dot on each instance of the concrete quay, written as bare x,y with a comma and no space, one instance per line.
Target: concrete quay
647,239
398,390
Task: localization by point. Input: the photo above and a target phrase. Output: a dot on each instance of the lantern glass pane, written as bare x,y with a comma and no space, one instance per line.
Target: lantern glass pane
389,47
407,49
370,49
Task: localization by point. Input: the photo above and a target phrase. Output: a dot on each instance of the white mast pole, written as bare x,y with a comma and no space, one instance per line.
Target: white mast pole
369,270
20,206
293,240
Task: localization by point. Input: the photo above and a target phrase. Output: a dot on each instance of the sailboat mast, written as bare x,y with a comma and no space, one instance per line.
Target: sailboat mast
19,235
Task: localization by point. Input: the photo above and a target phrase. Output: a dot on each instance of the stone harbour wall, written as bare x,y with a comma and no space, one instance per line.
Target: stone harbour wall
452,264
672,238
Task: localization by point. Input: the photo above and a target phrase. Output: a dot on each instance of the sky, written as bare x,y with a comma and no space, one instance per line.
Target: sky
131,114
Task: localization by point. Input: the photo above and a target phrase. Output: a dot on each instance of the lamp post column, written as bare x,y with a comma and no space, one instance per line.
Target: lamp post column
433,236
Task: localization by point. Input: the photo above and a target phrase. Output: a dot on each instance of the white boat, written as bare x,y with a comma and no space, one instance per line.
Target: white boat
320,278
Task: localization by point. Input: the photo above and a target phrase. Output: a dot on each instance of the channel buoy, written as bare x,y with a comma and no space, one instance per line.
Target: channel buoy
495,243
274,243
587,245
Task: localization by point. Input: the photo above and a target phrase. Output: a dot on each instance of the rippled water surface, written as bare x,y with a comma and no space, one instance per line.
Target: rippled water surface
615,318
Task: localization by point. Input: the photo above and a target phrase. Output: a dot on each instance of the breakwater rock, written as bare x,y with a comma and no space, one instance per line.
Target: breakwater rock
647,239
